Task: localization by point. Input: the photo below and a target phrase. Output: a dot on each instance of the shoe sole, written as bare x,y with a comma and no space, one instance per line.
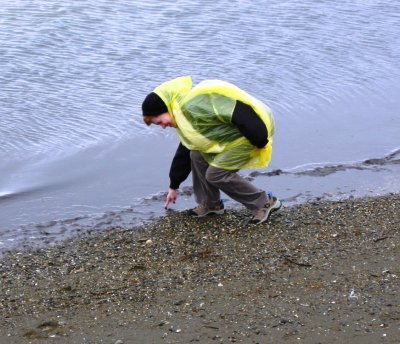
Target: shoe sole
275,207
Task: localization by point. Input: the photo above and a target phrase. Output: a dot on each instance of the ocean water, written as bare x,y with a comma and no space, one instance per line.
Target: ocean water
76,157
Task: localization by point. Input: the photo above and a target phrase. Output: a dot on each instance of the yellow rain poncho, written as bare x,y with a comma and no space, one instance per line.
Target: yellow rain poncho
203,116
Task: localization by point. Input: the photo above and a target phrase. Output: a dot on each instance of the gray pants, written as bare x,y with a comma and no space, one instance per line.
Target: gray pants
209,180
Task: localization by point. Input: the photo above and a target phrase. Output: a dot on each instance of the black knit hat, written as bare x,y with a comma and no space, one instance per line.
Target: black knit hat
153,105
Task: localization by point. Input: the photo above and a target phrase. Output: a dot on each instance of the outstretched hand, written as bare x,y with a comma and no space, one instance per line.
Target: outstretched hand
171,197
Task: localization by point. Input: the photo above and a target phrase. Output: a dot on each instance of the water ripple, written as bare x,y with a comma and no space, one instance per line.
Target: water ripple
74,73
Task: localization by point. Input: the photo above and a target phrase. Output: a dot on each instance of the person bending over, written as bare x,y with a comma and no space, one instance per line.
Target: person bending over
222,129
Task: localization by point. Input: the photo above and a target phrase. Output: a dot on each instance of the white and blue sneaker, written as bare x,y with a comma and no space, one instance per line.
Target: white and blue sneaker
262,215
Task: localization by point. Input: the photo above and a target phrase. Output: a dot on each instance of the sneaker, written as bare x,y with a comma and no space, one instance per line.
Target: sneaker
201,211
262,215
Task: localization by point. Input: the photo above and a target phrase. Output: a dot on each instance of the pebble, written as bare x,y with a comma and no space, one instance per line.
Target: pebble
280,270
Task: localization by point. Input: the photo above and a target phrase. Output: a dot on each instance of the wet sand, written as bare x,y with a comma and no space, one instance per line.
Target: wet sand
324,272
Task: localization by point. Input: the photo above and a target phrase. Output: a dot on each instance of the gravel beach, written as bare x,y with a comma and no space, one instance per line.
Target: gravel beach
323,272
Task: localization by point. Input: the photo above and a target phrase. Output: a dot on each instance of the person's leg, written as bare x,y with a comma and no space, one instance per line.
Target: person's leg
208,180
236,187
205,194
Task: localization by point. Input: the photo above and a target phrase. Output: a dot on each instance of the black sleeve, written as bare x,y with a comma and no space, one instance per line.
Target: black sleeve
180,167
250,124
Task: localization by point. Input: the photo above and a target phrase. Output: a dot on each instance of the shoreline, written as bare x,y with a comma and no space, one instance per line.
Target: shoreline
64,220
323,272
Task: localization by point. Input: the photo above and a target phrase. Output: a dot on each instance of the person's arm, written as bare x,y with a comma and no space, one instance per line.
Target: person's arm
250,124
179,171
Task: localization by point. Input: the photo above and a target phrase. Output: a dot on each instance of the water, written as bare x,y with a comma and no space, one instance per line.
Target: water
75,155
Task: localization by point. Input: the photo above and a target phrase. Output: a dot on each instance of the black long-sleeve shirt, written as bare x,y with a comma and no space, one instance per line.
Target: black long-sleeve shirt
248,123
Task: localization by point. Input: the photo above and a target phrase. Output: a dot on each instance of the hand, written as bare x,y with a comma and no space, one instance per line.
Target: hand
171,197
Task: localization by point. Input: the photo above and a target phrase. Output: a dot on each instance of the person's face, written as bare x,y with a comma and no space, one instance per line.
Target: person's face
164,120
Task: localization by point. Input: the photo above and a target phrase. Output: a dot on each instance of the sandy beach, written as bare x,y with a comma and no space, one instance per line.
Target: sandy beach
323,272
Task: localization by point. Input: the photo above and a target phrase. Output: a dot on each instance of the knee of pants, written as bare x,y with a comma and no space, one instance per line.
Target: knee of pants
217,177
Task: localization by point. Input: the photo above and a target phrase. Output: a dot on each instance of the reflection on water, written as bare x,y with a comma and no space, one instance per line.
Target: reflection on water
74,73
